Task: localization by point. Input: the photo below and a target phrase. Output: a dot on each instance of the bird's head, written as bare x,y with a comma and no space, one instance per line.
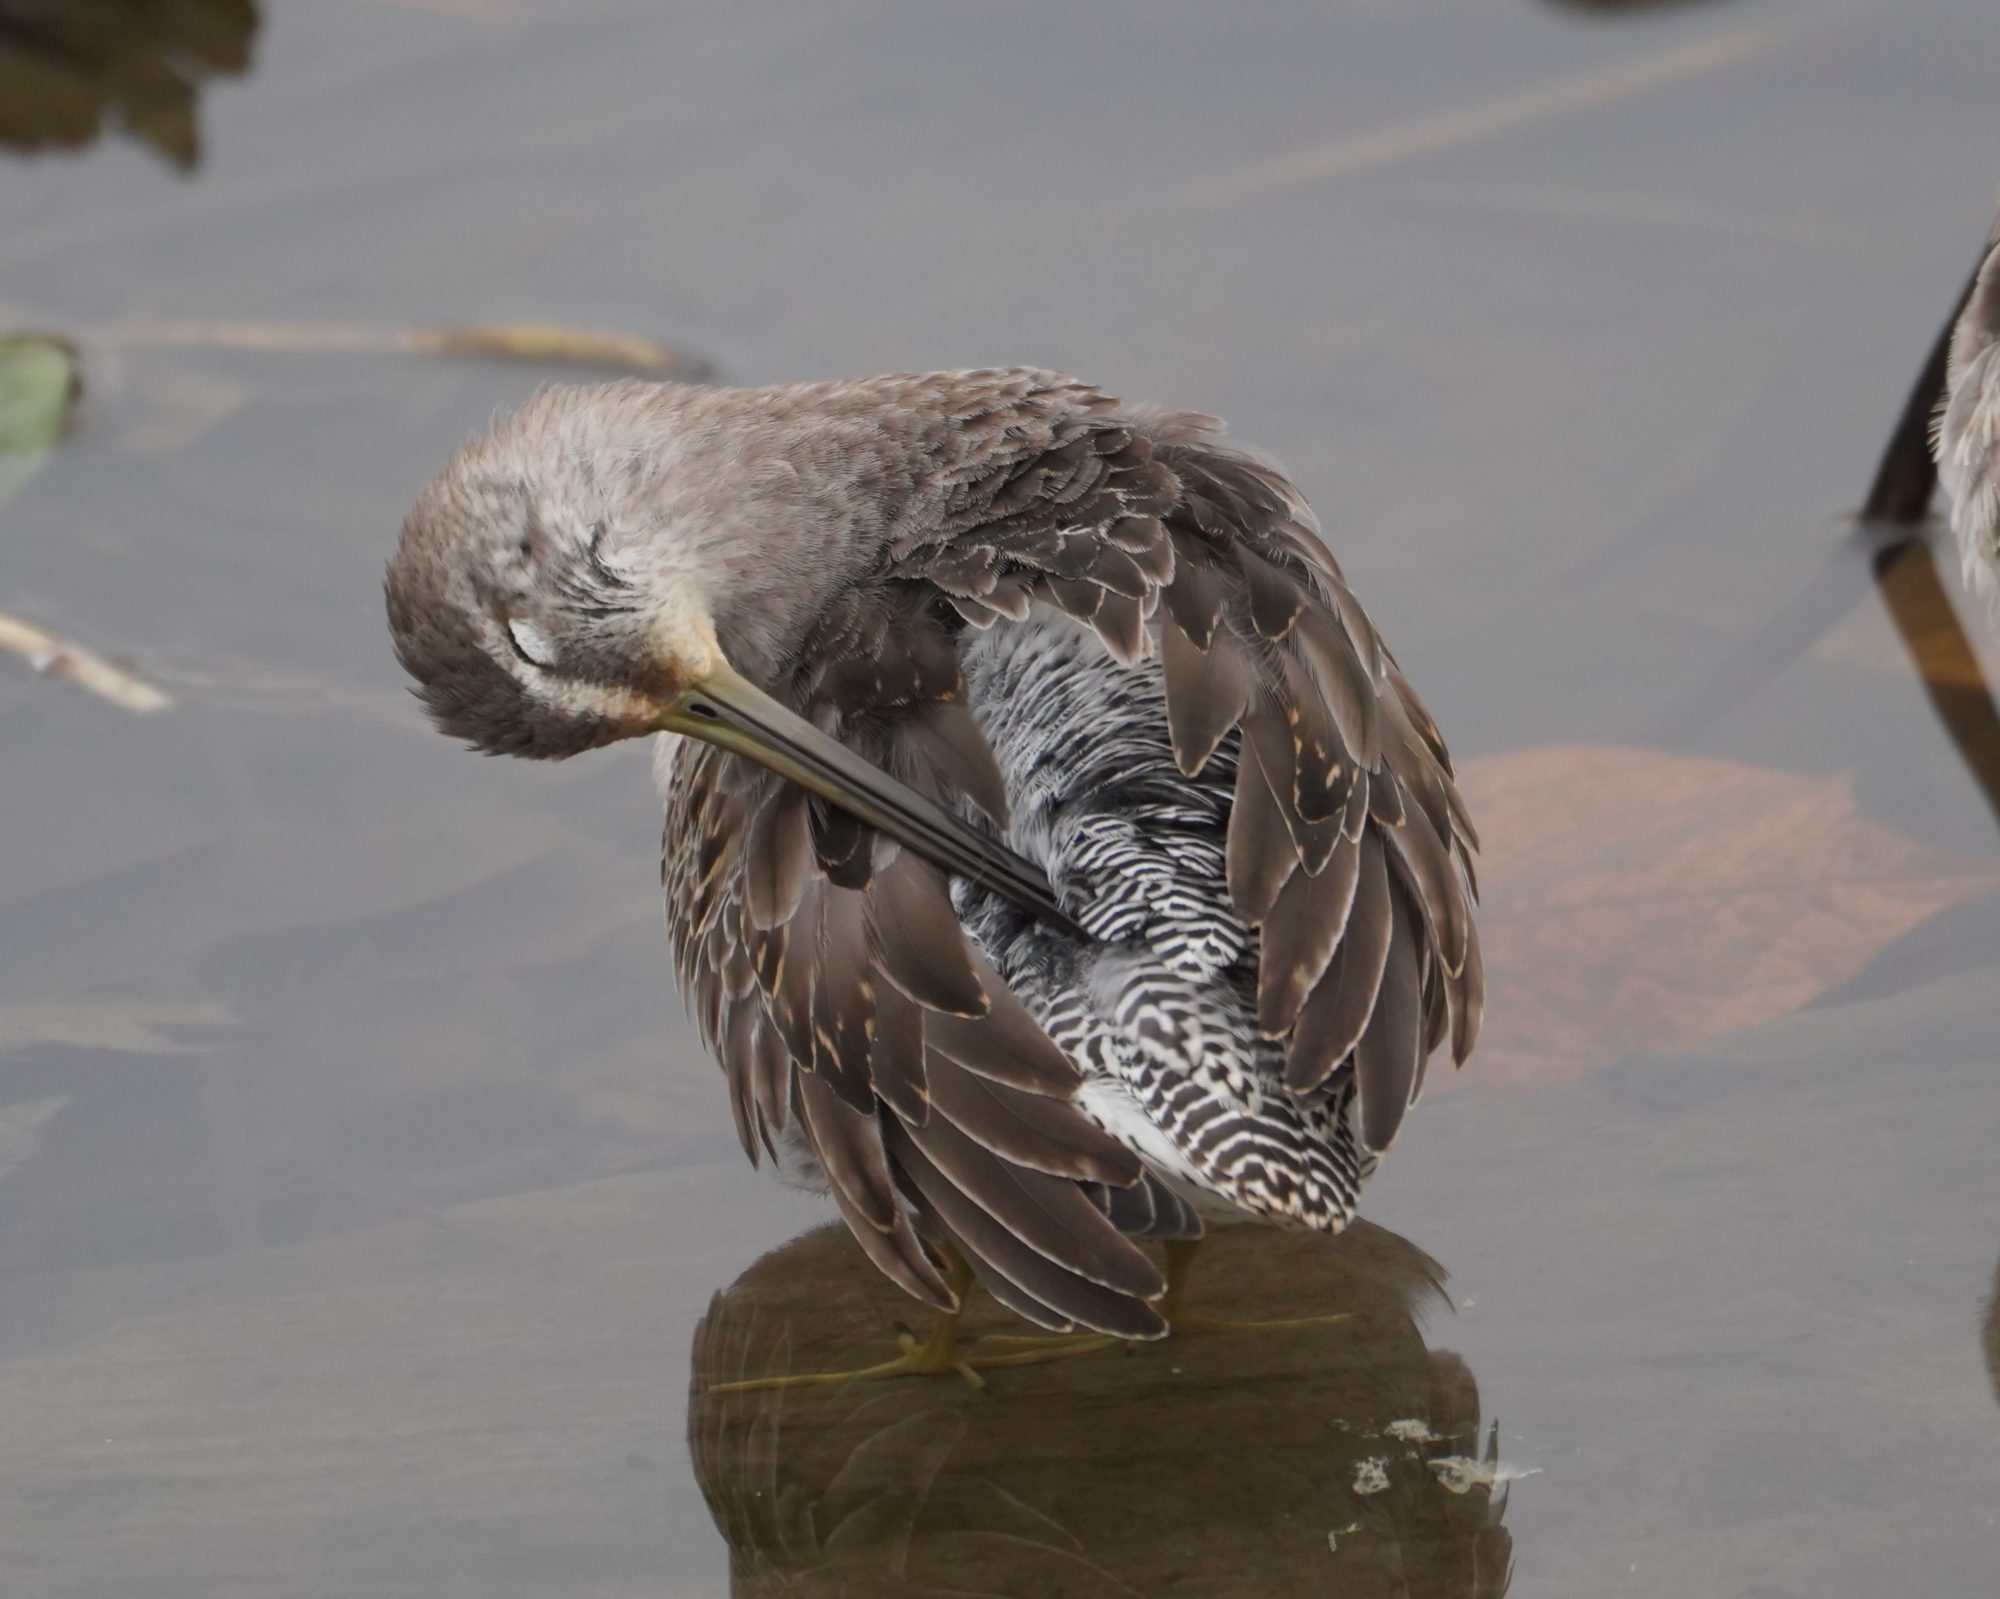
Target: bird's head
556,586
638,558
535,595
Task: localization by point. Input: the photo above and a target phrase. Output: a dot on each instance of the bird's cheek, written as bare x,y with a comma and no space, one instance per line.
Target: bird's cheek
615,710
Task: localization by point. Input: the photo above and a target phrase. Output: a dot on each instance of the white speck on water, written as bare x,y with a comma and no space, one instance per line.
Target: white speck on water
1412,1431
1335,1534
1461,1474
1371,1476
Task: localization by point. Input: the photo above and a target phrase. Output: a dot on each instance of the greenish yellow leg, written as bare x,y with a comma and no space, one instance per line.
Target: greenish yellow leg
929,1357
1035,1349
1180,1266
942,1351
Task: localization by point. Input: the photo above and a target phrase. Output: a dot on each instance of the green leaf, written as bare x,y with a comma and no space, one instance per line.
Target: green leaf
39,386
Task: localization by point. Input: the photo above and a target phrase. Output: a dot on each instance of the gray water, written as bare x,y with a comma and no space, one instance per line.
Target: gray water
361,1185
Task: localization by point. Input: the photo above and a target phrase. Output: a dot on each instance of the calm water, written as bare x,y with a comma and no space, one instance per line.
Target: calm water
362,1190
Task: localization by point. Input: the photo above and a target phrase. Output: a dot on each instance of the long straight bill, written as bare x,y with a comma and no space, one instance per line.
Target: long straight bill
721,708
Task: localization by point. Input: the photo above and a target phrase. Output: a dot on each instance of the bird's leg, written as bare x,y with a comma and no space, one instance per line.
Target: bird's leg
1035,1349
930,1356
942,1351
1020,1349
1173,1305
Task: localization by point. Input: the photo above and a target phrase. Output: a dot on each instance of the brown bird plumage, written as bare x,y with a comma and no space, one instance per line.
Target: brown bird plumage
883,590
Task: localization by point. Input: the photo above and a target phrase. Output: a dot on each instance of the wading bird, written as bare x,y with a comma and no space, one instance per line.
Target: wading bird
1054,852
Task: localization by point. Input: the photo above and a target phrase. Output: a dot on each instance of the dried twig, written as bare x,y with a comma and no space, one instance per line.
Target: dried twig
519,341
87,669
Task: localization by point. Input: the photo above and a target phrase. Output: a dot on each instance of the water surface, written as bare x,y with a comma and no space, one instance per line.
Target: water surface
362,1189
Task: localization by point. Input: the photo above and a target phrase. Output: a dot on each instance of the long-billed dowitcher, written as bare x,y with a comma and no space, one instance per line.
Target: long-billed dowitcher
1053,848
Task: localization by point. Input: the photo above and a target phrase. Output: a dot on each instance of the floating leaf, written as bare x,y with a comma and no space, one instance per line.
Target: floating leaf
1642,902
548,341
39,387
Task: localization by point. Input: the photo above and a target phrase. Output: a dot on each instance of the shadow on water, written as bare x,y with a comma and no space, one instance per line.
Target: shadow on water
68,71
1221,1463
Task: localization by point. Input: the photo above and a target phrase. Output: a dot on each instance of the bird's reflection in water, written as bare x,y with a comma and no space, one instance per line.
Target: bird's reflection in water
1339,1457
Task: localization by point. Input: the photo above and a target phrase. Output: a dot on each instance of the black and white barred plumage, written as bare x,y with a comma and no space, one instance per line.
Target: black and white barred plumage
1158,1007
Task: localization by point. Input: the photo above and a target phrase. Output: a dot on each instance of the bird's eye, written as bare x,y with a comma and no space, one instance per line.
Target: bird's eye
531,644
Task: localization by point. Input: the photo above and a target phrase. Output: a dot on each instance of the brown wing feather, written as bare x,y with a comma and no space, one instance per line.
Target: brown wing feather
830,973
1386,1059
1259,635
827,967
1046,1291
849,1144
1358,733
